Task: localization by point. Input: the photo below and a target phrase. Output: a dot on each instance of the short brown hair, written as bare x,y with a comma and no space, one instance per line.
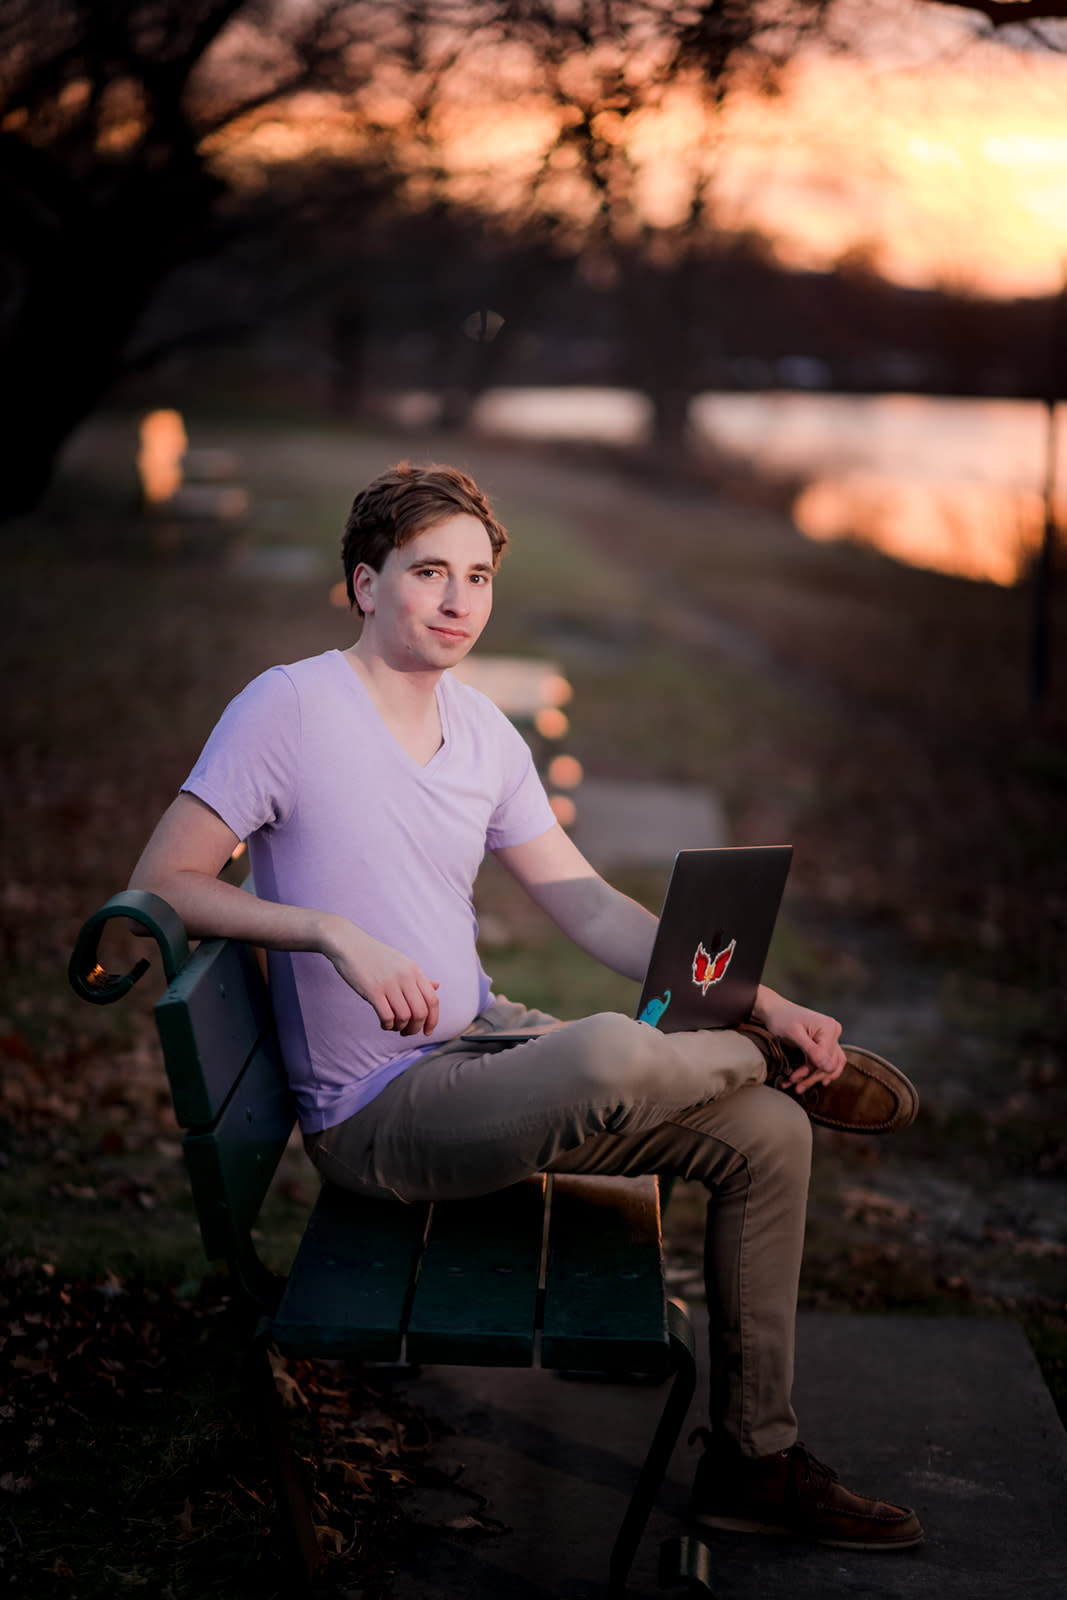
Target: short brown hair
403,502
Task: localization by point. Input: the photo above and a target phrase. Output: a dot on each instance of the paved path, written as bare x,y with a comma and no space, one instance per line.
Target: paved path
949,1415
620,822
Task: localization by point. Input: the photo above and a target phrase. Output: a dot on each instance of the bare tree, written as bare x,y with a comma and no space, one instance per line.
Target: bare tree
119,119
125,125
111,116
1014,13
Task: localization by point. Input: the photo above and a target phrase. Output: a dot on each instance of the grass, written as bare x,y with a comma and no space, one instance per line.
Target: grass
873,715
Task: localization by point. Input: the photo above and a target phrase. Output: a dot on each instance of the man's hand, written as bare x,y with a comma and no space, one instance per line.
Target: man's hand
398,989
816,1034
181,862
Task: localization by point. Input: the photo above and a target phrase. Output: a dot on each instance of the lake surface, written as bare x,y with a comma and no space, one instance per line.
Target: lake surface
957,485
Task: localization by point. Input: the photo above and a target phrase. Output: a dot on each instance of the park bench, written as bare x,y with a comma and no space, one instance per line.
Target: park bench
564,1272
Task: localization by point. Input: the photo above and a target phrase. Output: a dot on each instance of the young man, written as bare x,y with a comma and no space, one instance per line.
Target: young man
369,783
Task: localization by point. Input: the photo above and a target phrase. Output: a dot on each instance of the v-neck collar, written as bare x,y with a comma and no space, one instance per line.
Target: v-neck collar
404,755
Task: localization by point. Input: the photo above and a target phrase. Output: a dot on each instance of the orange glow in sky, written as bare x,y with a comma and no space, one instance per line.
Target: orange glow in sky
943,177
977,530
937,178
943,165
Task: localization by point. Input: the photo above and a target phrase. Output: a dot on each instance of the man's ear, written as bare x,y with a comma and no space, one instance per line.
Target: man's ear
364,582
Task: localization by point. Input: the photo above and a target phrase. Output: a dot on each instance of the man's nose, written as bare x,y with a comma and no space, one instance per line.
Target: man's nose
456,599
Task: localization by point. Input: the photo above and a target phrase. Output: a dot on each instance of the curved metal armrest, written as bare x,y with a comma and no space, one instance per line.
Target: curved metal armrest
91,981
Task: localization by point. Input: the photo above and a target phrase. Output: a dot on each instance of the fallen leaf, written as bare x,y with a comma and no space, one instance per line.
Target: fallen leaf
351,1473
468,1523
1021,1244
868,1205
28,1364
12,1485
251,1493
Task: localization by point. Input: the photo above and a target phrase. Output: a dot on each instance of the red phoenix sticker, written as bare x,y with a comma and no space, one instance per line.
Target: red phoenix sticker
709,969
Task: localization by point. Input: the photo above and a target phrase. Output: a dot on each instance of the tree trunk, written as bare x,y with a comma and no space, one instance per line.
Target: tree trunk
77,264
670,423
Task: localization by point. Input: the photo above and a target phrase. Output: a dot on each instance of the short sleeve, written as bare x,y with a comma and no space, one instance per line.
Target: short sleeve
523,811
247,770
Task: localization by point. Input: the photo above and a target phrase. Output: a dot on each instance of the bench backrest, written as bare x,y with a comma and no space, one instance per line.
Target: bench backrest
225,1071
229,1089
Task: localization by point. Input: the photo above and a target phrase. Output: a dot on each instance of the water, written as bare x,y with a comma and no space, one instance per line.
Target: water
957,485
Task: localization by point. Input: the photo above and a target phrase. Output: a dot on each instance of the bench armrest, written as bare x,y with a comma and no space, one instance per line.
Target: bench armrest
91,981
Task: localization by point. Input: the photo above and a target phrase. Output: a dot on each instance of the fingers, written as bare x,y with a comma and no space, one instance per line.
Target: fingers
824,1058
825,1070
403,997
806,1077
408,1005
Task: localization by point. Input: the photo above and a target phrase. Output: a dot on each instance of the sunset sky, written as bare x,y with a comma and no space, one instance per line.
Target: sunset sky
952,172
938,156
944,180
941,157
935,156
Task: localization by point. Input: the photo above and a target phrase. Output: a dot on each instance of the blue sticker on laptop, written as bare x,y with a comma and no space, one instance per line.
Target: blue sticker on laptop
655,1009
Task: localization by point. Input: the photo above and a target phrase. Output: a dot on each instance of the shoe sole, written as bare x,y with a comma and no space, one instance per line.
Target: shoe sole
776,1530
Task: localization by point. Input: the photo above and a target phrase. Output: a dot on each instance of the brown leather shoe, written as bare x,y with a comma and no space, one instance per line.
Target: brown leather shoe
869,1096
791,1493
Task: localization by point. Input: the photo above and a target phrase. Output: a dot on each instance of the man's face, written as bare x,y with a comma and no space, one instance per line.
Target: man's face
428,605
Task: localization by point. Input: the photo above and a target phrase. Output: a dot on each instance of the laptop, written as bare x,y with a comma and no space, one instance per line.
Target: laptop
714,932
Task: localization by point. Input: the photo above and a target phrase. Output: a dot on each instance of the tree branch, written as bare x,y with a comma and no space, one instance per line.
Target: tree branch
1006,13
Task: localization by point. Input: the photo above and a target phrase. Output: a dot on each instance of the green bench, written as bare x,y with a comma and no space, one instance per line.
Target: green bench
561,1272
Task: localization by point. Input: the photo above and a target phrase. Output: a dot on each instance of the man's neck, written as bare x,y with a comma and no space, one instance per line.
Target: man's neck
402,696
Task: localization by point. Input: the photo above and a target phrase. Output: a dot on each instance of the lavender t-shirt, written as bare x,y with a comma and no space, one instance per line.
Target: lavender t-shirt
340,818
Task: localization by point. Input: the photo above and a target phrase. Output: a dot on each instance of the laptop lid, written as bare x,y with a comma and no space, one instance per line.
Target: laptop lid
714,932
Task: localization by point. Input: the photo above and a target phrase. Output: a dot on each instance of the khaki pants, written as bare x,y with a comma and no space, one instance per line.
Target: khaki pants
613,1096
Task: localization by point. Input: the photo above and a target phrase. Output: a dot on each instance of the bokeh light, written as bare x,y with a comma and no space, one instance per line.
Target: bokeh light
565,772
551,723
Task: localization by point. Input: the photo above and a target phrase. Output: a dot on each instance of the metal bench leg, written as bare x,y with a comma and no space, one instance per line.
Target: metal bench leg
660,1450
294,1512
685,1562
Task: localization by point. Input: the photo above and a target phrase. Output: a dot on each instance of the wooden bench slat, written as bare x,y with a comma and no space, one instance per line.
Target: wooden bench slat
350,1285
604,1303
210,1019
477,1294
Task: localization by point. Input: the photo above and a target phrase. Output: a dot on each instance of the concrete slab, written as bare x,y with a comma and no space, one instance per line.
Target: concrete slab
949,1415
621,822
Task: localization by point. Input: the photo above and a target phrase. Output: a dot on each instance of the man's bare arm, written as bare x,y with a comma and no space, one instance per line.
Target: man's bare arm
619,933
602,921
181,863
